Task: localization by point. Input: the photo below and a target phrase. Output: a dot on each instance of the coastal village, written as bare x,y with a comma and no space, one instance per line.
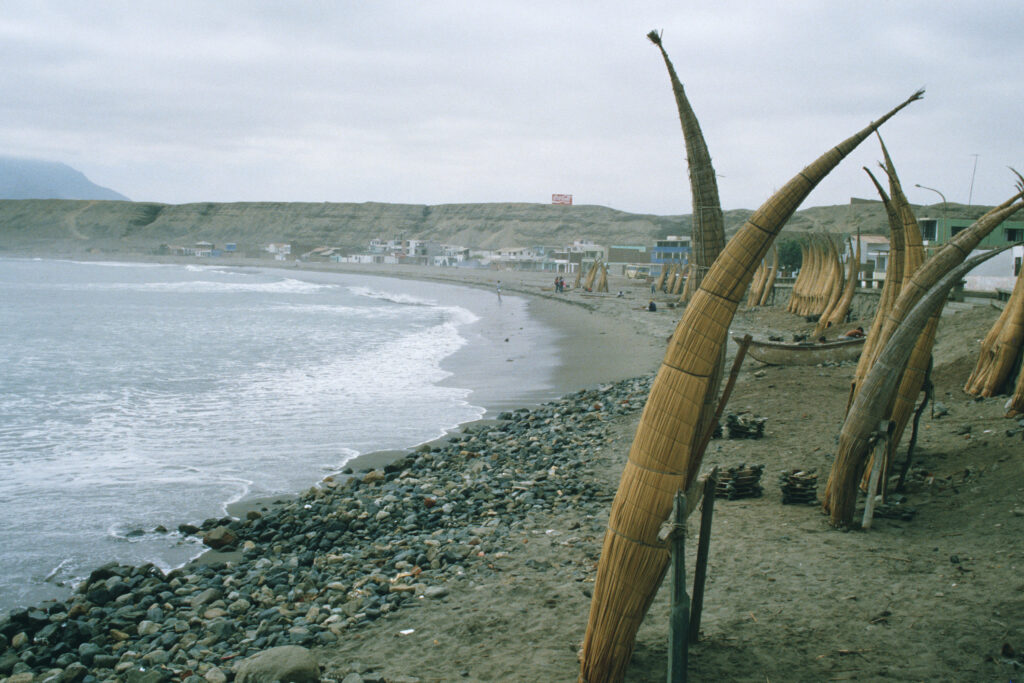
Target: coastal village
644,261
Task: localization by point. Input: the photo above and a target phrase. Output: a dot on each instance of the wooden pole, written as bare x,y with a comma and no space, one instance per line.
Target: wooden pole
928,389
881,445
723,400
679,625
703,546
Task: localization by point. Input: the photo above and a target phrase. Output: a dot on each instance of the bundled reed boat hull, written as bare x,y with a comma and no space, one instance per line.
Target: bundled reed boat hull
803,353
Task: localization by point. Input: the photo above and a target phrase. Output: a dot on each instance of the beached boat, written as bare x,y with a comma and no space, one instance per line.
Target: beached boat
804,353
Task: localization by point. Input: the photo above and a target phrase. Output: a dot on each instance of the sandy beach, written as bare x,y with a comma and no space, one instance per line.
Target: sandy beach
472,558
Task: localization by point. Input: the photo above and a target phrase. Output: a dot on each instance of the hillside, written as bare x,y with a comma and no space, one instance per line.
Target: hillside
62,226
37,179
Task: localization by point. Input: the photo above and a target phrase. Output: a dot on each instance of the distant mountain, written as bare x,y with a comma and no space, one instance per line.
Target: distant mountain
36,179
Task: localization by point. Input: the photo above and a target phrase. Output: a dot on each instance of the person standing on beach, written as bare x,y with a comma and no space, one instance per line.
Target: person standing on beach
499,288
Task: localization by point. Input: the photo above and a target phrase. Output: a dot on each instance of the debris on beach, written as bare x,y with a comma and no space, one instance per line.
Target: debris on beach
742,481
799,487
745,425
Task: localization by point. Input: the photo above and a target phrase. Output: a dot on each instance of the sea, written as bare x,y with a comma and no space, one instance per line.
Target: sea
135,396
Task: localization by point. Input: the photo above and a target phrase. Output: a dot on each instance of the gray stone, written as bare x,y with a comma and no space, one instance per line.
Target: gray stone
215,675
239,606
147,628
205,597
288,664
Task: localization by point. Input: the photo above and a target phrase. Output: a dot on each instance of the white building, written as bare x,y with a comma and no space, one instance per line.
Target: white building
874,259
280,250
998,273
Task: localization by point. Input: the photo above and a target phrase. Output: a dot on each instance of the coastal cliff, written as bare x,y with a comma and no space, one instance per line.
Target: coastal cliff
68,226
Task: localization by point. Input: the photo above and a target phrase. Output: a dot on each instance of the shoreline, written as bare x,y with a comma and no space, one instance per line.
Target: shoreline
592,356
589,353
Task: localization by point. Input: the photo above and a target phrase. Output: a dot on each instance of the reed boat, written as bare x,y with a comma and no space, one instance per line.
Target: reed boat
803,353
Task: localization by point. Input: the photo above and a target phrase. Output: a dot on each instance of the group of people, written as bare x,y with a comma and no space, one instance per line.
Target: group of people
559,284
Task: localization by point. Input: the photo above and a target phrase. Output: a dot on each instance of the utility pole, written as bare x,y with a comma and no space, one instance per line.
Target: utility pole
970,192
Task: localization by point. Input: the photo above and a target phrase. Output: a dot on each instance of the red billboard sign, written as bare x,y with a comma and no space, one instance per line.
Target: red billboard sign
561,199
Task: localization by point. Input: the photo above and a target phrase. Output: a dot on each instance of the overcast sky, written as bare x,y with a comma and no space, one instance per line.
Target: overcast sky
449,102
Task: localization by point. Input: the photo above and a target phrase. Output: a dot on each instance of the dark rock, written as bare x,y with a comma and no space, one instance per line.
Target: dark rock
146,675
220,536
74,673
87,652
102,661
7,662
99,596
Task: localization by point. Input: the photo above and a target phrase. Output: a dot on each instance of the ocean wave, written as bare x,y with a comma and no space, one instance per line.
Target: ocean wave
286,286
221,270
406,299
119,264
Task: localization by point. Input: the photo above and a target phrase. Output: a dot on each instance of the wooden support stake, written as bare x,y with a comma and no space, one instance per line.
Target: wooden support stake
703,546
679,624
928,389
884,431
723,400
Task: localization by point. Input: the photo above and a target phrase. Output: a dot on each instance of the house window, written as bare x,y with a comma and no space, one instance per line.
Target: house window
929,230
1016,265
1014,234
957,229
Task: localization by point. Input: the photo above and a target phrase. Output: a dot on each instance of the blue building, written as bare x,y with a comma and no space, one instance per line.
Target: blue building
673,250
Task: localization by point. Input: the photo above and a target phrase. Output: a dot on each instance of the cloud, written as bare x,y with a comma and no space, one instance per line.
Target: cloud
455,101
